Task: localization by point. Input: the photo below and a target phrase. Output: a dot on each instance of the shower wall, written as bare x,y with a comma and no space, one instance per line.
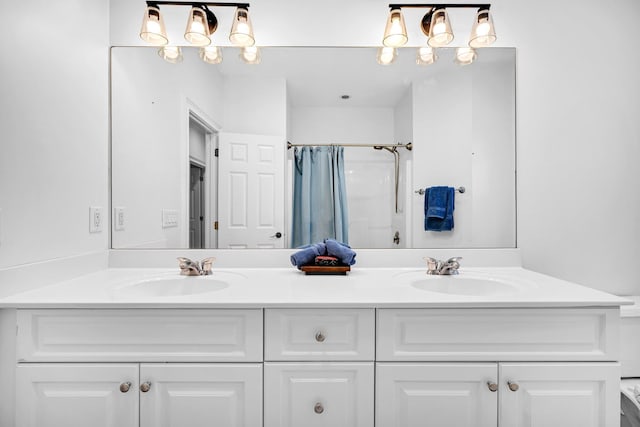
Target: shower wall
370,174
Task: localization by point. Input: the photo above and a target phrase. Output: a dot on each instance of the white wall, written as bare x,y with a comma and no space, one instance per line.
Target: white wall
54,124
151,98
255,105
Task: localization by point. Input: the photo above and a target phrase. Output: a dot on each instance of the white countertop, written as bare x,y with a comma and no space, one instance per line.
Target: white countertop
287,287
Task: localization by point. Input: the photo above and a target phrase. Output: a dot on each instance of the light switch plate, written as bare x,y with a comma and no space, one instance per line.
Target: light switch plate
169,218
96,218
118,219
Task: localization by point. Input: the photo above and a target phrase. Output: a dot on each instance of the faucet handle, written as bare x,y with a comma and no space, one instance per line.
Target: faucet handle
432,264
454,260
207,264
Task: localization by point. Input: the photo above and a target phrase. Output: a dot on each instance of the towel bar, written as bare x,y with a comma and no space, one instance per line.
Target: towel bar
459,190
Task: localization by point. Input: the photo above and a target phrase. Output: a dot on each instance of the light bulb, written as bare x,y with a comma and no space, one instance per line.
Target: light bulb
440,33
242,31
483,32
197,31
386,55
172,54
211,54
426,56
250,55
153,30
465,55
395,32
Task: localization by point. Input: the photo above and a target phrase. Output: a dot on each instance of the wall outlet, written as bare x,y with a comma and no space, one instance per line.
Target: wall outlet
118,219
96,218
169,218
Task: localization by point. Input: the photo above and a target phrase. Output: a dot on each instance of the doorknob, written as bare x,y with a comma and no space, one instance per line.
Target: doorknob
277,235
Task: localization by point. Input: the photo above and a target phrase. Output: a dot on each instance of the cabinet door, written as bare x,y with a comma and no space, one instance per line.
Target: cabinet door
76,395
199,395
436,394
318,395
559,394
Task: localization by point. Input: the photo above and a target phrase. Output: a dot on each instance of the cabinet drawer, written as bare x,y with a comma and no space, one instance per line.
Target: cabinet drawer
589,334
318,394
319,334
146,335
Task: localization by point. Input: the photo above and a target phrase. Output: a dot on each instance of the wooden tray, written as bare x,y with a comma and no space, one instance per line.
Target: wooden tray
325,269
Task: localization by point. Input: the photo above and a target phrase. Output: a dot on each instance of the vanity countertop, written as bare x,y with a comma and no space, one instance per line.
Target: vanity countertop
499,287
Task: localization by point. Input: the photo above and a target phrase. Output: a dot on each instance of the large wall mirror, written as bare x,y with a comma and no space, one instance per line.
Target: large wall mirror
200,155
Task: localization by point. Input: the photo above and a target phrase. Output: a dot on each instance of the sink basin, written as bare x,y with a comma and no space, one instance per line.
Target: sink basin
176,285
465,283
458,285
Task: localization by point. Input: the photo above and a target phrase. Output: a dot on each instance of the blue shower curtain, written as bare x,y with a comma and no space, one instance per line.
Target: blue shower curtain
319,196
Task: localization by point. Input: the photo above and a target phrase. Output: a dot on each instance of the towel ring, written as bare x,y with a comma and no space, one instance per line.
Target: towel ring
459,190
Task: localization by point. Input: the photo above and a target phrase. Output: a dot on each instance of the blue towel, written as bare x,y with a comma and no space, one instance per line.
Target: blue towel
439,204
307,254
342,251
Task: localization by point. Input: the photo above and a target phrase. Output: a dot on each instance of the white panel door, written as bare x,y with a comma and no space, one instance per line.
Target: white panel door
559,394
251,191
318,395
201,395
436,394
77,395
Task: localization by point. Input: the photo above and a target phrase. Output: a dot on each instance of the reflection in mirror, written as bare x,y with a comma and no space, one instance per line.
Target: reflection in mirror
199,152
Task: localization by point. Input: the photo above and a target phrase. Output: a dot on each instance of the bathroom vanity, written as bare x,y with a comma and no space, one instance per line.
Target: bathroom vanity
383,347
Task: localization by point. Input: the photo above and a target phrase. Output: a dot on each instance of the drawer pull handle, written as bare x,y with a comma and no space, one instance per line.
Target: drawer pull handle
145,387
492,386
513,386
320,337
124,387
318,409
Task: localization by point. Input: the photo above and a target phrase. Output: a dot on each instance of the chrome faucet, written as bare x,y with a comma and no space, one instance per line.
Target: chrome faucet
195,268
443,268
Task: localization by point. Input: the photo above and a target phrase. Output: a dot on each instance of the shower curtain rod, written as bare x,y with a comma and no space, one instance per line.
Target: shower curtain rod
408,146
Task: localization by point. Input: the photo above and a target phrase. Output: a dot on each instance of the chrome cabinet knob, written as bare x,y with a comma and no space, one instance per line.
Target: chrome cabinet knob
145,387
318,408
320,337
124,387
492,386
513,386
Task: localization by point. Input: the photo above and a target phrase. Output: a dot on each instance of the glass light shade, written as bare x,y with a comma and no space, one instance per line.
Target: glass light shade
172,54
211,54
465,55
153,30
440,33
426,56
250,54
395,32
197,32
241,30
386,55
483,33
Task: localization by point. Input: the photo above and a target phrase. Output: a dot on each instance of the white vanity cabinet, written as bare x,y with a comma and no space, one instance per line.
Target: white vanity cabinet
525,367
319,369
127,368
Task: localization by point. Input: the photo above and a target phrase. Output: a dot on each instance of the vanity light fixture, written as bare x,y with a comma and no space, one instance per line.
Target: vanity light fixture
465,55
250,54
395,32
426,55
172,54
153,30
241,29
201,24
211,54
386,55
435,24
483,33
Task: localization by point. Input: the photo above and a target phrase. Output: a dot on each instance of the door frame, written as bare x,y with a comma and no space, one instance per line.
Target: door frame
191,111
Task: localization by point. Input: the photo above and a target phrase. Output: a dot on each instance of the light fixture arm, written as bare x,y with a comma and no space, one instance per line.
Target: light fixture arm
196,4
438,5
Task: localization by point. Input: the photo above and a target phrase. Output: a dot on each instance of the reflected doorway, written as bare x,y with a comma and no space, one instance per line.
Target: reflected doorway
203,184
